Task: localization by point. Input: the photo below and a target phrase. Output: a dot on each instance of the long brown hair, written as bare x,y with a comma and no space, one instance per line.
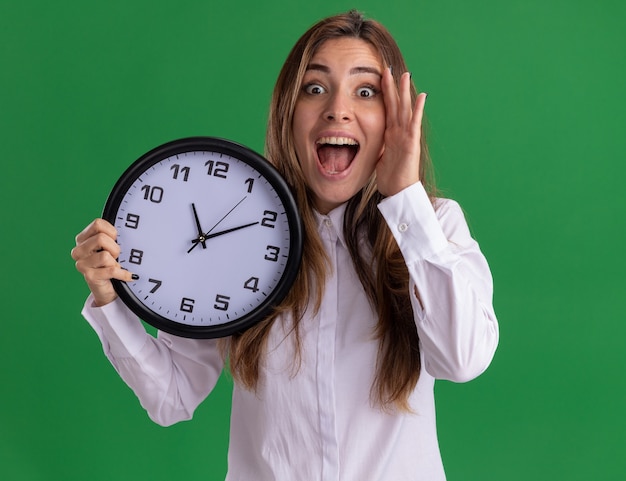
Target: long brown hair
387,286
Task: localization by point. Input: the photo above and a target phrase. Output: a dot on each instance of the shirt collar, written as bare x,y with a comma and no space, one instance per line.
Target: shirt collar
336,218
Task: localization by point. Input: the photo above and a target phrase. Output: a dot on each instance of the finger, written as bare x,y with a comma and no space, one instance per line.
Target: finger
406,104
99,280
391,97
418,112
96,260
102,275
96,227
101,267
96,243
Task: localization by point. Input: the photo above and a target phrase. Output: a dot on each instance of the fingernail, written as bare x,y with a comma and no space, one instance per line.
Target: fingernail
134,277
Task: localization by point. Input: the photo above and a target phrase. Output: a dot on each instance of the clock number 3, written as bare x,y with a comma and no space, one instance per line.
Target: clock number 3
272,253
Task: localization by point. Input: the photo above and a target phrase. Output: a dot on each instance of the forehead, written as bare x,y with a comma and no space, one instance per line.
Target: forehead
347,51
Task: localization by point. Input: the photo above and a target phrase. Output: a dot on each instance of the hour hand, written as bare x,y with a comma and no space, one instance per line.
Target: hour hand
201,237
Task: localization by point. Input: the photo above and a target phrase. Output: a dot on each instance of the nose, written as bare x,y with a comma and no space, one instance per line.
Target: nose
338,109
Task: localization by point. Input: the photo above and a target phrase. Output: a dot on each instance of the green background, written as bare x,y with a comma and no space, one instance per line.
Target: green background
527,108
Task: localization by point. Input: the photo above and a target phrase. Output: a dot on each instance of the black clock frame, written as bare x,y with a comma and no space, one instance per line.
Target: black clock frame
259,163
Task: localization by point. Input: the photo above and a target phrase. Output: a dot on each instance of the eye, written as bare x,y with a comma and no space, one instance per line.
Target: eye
366,92
314,89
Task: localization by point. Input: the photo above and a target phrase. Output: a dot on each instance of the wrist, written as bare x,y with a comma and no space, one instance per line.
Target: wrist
102,299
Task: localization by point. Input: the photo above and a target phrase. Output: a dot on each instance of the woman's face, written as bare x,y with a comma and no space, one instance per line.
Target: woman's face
339,120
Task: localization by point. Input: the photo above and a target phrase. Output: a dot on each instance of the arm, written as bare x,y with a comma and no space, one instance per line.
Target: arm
451,284
170,375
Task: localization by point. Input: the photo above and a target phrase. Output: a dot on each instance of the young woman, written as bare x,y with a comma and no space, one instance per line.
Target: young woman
393,292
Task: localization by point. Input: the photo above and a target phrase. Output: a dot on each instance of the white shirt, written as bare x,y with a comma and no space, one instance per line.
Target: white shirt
318,422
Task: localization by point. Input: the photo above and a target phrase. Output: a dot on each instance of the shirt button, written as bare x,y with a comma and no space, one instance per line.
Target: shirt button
403,227
328,222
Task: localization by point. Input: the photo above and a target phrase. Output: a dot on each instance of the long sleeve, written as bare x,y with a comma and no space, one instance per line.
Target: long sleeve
451,284
170,375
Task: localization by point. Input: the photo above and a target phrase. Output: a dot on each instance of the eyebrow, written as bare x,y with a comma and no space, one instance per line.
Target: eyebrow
353,71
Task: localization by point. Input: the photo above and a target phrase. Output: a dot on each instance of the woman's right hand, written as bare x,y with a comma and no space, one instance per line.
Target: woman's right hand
95,254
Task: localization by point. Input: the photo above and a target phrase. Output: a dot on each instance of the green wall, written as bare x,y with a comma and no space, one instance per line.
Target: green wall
527,111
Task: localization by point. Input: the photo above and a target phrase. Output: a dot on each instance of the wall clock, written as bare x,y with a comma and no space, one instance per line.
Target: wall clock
213,232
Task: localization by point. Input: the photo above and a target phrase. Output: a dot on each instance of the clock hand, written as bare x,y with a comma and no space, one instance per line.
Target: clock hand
215,234
201,236
208,236
227,214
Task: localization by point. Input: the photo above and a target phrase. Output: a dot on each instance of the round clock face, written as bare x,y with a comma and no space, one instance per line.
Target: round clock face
213,233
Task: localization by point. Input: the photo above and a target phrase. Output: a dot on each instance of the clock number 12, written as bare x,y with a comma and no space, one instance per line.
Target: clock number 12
216,169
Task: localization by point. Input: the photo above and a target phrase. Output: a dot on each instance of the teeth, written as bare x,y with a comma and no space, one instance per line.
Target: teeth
337,141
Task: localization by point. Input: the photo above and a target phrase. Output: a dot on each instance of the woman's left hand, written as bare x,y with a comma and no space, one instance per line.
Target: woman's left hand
399,165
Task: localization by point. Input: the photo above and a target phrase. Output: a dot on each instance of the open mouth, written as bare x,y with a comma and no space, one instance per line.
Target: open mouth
336,153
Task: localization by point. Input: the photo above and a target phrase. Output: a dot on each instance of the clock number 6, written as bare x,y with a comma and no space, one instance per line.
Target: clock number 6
186,305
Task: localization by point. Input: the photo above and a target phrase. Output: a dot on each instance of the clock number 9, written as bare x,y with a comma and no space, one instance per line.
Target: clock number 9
132,221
